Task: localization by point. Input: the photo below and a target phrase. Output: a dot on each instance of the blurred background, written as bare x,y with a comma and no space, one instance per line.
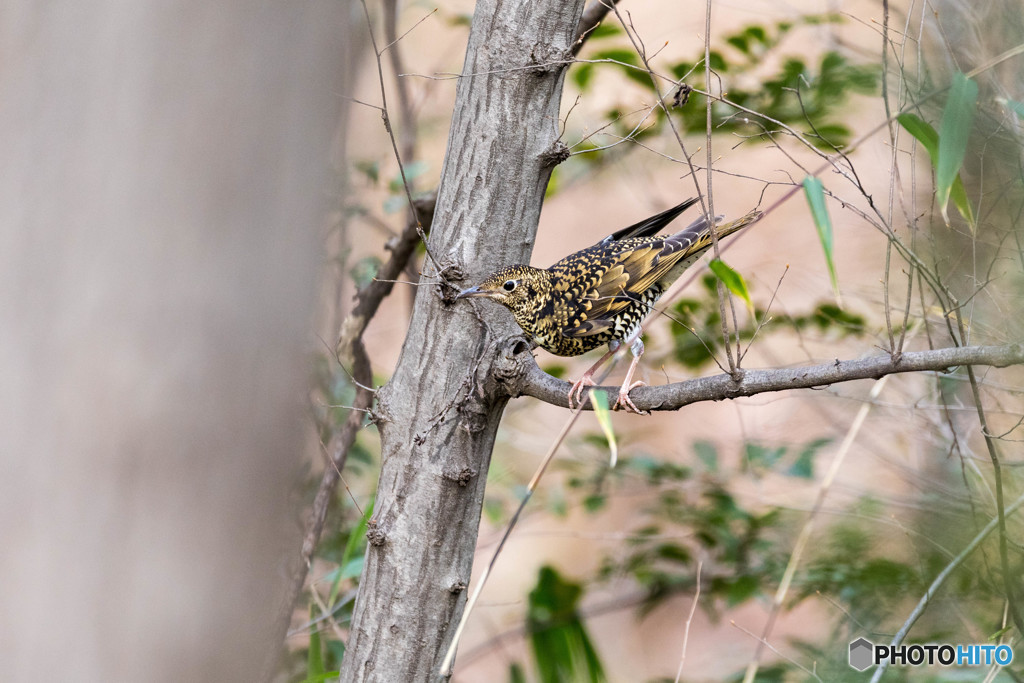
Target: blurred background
192,195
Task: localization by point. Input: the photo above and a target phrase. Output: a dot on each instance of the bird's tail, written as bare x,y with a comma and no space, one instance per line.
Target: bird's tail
699,225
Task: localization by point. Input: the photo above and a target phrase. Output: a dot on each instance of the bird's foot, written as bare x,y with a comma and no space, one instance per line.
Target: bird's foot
624,402
579,387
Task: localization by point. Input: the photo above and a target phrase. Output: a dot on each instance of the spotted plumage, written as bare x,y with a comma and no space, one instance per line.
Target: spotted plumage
602,294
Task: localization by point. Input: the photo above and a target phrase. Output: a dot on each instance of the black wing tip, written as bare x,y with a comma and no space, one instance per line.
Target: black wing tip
652,225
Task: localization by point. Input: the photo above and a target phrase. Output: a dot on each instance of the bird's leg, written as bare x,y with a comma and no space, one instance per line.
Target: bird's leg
637,347
587,380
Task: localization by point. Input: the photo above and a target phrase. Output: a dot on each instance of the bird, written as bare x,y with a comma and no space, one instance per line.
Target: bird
602,294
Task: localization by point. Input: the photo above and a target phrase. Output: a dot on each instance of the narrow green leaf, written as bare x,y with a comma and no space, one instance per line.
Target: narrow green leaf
924,133
954,132
315,656
733,281
581,76
815,192
516,673
353,567
599,400
353,546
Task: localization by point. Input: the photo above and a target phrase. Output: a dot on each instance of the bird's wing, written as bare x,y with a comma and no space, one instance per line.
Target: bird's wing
623,277
617,274
649,227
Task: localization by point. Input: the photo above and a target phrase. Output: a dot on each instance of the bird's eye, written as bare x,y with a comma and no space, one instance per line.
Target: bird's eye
509,285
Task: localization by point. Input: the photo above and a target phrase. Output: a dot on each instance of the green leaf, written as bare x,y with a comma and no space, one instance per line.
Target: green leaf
594,502
741,589
556,370
352,552
599,400
364,270
605,30
516,673
803,467
315,655
353,567
337,650
581,76
954,132
618,55
707,454
371,169
815,192
411,170
733,281
553,183
758,457
740,42
562,647
322,677
924,133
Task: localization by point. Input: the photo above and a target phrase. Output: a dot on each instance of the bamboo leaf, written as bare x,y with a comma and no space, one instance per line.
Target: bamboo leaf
924,133
599,400
954,132
315,655
815,193
351,565
733,281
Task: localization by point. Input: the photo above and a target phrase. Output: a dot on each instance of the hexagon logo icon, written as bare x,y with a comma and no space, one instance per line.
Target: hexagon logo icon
861,651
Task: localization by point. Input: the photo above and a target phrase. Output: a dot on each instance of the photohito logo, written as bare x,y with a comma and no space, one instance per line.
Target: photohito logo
864,654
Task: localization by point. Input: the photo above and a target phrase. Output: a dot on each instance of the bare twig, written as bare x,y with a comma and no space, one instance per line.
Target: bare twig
386,118
592,17
689,620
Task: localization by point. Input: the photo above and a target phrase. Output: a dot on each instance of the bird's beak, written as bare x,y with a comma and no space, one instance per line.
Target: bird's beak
472,291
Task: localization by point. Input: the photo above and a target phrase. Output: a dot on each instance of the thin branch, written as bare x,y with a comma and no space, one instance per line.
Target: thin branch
1008,579
689,620
532,381
386,118
592,17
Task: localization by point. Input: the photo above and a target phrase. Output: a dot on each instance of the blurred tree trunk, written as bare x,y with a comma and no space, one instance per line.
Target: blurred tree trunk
163,190
439,413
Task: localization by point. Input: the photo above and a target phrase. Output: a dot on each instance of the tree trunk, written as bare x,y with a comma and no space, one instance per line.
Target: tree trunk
439,413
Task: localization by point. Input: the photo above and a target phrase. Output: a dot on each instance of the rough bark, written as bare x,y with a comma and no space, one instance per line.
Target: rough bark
439,413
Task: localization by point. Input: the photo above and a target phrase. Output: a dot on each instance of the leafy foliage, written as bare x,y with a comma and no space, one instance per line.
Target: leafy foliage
698,337
561,646
707,519
804,96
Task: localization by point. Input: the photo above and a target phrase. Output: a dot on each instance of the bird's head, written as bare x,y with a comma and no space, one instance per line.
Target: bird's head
521,289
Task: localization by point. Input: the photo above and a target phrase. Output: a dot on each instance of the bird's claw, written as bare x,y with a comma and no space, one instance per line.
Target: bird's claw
624,401
578,388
